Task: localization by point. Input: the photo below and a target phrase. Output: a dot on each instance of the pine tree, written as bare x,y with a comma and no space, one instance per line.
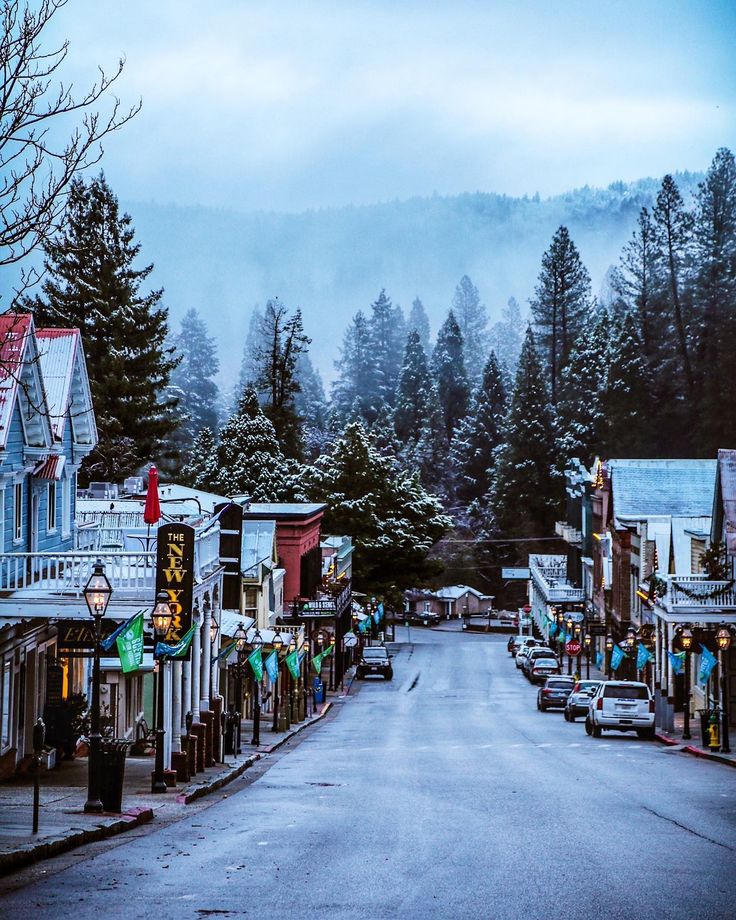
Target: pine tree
394,522
672,234
282,341
387,333
472,318
356,379
448,367
200,470
419,322
627,399
525,490
253,344
715,294
92,283
311,405
480,434
249,456
507,335
561,304
636,282
581,418
198,394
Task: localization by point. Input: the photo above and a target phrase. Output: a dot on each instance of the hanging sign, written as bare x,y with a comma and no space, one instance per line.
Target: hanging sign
175,577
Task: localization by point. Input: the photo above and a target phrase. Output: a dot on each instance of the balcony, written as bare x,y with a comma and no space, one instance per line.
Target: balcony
697,598
569,533
549,574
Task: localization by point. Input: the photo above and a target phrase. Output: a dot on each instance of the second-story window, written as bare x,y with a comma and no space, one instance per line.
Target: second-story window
51,507
18,524
66,525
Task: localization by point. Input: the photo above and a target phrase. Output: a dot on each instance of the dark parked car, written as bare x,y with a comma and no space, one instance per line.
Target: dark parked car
423,618
542,668
531,656
579,699
554,693
375,661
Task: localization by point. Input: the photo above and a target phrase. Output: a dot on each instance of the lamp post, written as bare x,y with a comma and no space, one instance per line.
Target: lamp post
609,649
278,643
256,739
723,638
686,641
587,641
161,618
629,644
293,713
241,641
569,624
97,593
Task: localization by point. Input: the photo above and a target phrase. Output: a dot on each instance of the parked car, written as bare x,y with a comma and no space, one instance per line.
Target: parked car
554,693
375,660
423,618
527,649
516,643
579,699
621,705
534,653
541,668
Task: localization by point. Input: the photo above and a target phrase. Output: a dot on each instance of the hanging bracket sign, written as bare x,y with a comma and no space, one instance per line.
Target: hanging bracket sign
175,576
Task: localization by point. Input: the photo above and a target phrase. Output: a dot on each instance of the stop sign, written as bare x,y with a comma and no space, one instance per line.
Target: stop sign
572,647
526,608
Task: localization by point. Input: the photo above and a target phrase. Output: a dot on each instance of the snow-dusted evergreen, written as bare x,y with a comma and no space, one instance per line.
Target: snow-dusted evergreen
387,337
419,322
472,318
194,377
448,368
355,384
201,467
248,364
507,335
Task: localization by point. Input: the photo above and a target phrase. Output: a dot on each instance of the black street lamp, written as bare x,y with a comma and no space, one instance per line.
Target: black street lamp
278,643
686,641
97,593
723,639
587,641
161,618
256,739
293,713
609,650
629,645
569,625
241,641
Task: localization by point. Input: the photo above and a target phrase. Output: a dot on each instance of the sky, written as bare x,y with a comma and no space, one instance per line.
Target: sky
288,106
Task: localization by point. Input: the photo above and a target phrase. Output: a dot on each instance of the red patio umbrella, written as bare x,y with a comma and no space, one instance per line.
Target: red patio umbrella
152,511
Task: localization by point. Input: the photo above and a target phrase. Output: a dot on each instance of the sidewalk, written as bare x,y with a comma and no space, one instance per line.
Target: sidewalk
695,745
63,824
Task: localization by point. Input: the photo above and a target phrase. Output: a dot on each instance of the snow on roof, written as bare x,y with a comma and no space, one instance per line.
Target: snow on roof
453,592
656,488
172,494
15,331
727,488
57,351
682,537
257,545
276,510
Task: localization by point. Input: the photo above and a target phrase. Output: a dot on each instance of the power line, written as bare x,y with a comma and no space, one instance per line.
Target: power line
506,540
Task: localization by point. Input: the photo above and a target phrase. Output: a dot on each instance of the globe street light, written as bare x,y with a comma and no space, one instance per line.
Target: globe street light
241,641
97,593
723,640
161,619
256,739
609,650
686,641
587,641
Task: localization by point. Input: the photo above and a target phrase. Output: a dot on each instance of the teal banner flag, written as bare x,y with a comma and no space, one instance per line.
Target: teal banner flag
677,661
108,643
225,652
599,660
552,629
178,650
617,656
643,657
272,666
707,662
292,663
255,660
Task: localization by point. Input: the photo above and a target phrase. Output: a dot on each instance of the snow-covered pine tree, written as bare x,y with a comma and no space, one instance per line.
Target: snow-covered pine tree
507,335
627,399
311,406
394,522
200,470
561,304
253,344
355,383
581,415
714,290
92,283
419,322
448,368
526,489
249,457
388,334
198,393
479,434
472,318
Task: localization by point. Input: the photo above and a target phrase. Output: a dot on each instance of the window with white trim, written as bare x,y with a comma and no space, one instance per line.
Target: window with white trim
18,523
51,507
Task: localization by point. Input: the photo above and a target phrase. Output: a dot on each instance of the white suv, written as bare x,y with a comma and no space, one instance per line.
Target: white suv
623,705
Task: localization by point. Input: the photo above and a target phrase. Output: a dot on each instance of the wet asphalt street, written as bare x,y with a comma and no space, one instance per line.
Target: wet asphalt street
444,794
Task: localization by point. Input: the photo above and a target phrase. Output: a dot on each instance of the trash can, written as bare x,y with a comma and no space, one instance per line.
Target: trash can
112,774
705,717
318,690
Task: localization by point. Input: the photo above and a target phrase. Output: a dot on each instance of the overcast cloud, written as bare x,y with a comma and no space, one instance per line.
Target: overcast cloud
288,105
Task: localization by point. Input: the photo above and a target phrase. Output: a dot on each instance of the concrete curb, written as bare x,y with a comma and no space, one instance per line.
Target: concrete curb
665,739
52,846
694,750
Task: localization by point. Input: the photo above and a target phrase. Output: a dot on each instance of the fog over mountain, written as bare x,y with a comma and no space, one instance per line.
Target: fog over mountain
334,262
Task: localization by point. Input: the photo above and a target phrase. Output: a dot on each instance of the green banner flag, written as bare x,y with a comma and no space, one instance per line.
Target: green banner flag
180,649
329,650
225,652
255,660
317,663
292,663
130,644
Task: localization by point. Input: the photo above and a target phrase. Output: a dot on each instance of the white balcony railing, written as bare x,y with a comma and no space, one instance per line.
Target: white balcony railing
549,573
697,592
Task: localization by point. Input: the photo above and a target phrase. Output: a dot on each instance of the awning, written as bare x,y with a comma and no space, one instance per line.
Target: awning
49,468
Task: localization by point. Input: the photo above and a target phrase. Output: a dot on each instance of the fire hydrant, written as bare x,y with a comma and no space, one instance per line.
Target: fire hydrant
714,733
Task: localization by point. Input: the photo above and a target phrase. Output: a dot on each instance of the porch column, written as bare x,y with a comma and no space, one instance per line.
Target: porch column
186,693
176,714
196,670
206,662
214,667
